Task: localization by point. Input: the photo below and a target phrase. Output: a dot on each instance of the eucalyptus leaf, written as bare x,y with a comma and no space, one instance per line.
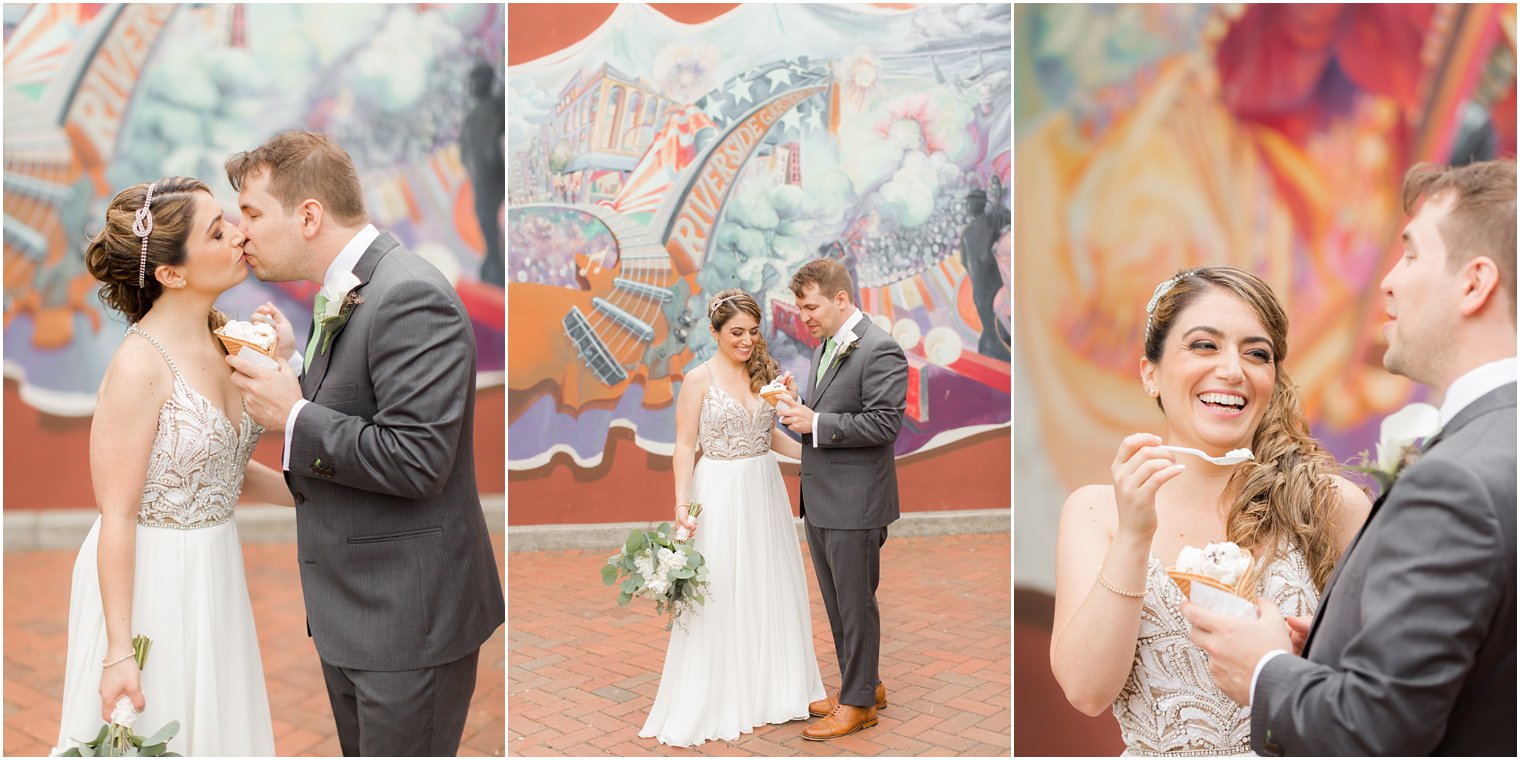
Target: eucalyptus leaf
70,752
624,598
163,735
636,541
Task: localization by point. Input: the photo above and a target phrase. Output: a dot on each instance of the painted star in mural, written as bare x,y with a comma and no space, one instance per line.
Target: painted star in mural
779,73
740,92
815,117
792,120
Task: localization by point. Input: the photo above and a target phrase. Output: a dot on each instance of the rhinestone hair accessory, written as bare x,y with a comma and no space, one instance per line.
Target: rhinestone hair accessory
142,226
1161,290
711,310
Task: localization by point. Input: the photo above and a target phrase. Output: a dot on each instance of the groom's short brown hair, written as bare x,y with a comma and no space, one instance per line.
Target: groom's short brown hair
1482,216
829,275
301,165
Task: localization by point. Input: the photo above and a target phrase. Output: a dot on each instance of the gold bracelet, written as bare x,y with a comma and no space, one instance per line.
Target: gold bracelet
123,658
1111,587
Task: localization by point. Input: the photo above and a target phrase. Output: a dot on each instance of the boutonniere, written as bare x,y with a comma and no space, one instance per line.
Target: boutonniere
846,351
1396,447
340,307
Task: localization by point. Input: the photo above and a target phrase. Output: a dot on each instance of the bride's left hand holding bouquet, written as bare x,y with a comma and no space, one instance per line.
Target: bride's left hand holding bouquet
662,566
116,738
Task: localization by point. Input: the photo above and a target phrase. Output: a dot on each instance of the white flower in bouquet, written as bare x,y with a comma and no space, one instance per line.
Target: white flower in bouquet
123,715
657,565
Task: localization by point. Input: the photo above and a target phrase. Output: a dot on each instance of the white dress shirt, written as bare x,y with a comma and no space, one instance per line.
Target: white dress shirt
347,259
1470,387
846,330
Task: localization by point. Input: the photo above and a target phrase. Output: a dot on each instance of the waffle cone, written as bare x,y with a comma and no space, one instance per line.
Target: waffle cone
771,396
234,345
1185,582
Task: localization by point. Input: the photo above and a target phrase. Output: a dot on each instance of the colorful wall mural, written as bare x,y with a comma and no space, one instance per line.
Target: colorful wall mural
101,96
654,163
1151,138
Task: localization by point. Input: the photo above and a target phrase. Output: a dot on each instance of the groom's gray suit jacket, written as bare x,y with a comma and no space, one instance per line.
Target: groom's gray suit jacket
849,481
396,564
1413,649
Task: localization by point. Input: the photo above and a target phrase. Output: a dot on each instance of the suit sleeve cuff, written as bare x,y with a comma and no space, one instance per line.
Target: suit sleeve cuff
290,431
1255,674
816,431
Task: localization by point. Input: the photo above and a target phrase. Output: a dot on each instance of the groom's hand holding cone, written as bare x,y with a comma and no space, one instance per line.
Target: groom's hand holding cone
268,393
1234,644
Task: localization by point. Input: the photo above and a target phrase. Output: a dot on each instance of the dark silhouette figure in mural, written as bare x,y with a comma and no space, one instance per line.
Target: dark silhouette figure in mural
480,149
977,242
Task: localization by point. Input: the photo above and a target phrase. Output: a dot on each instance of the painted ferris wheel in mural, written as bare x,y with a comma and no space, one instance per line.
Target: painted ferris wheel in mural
639,186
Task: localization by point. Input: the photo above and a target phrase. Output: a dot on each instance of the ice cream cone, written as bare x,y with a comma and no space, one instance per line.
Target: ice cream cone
772,395
234,346
1185,581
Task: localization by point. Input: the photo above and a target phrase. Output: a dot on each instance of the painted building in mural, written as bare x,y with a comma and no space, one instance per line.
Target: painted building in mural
685,160
102,96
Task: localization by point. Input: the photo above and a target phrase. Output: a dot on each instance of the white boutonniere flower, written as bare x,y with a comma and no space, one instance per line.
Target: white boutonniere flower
340,305
848,349
1396,442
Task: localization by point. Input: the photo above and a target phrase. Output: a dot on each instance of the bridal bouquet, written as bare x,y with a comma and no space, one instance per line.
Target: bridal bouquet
659,565
116,738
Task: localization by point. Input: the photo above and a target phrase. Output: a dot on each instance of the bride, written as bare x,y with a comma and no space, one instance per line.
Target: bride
745,658
169,455
1214,345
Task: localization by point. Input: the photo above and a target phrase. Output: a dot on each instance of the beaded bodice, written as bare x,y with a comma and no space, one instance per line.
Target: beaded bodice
1169,704
195,470
730,431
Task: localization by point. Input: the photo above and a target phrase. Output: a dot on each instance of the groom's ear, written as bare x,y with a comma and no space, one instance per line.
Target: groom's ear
312,216
1480,278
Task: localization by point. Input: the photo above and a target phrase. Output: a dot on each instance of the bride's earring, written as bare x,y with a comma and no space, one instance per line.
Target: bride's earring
1150,390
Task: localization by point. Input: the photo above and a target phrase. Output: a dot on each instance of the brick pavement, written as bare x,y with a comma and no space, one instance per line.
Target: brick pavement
36,625
584,672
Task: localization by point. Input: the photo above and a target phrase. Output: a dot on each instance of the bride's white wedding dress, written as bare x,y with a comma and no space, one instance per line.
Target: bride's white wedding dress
189,594
1170,705
746,656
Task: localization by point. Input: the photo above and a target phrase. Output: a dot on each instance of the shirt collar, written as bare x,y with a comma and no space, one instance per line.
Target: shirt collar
1473,385
348,258
847,327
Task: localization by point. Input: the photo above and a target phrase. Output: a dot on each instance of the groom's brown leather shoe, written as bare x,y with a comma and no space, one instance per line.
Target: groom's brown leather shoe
843,721
825,706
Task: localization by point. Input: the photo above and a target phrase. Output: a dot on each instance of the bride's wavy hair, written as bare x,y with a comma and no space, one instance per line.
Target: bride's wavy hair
1288,492
760,366
114,254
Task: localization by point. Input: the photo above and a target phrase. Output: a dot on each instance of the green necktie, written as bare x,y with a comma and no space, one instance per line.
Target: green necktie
823,366
316,327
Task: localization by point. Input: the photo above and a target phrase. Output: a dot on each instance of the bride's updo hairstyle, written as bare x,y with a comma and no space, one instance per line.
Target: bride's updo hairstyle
1288,492
761,367
114,255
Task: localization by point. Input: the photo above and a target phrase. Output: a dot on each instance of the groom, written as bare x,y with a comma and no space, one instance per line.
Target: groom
857,392
1413,649
397,568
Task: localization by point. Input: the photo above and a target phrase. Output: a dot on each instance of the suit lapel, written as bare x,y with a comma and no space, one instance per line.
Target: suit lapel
1495,399
321,360
828,375
813,373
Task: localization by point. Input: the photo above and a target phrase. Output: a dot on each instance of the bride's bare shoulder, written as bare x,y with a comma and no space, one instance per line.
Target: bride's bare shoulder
137,373
1092,506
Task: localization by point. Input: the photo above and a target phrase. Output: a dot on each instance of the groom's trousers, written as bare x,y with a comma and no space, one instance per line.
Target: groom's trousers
848,566
403,713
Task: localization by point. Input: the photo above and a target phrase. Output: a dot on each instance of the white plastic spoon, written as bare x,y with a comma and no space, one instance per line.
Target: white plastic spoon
1234,457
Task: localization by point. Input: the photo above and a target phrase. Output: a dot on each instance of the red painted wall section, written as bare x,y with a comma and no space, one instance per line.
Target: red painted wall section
980,468
47,458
